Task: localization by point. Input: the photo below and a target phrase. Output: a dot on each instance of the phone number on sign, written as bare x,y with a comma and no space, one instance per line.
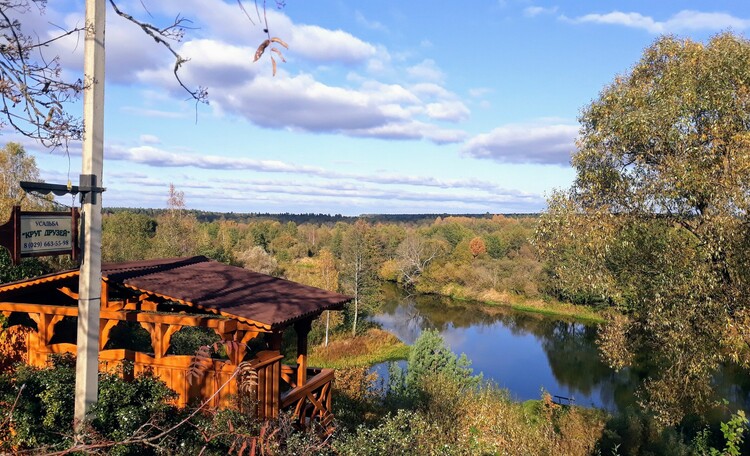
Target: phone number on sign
46,244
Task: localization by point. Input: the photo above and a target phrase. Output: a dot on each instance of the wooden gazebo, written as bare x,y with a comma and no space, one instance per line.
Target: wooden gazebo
166,295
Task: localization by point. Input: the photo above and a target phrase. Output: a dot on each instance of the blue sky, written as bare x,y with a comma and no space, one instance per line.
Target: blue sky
381,107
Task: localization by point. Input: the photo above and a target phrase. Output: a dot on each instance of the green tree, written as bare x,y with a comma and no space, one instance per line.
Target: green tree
126,236
657,219
429,358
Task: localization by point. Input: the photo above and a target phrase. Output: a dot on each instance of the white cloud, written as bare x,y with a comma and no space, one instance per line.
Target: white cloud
686,20
157,113
251,189
224,21
153,156
369,108
542,144
532,11
427,70
323,45
430,90
220,51
159,157
449,110
413,130
149,139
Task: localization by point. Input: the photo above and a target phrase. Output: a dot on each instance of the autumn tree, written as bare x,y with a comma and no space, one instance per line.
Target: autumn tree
414,254
329,280
321,272
477,246
15,166
176,232
359,266
657,222
258,260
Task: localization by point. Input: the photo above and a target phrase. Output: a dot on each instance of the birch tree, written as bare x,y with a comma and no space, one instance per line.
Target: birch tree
359,266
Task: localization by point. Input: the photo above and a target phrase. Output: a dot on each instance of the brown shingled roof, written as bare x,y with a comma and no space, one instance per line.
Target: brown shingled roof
226,289
214,286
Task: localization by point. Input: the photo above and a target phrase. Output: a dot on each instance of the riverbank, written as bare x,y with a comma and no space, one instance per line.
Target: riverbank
551,307
491,300
373,347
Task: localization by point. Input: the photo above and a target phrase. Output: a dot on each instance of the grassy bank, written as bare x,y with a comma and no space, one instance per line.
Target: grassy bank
551,308
492,301
373,347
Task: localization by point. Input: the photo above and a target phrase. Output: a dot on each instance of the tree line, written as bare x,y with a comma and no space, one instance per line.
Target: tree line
310,217
465,257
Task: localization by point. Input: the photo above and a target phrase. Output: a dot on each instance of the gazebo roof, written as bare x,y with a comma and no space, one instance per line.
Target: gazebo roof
216,287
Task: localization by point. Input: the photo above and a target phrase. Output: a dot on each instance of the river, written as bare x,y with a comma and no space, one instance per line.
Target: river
526,352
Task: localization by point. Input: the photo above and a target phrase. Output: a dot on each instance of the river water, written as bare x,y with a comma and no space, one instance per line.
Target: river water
526,352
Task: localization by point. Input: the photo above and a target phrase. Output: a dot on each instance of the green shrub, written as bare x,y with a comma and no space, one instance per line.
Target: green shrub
123,407
43,414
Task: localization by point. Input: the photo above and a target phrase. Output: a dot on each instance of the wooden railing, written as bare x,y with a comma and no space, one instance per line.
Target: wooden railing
311,401
276,389
267,365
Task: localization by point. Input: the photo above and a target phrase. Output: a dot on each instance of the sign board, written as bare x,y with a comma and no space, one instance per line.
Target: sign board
48,233
30,234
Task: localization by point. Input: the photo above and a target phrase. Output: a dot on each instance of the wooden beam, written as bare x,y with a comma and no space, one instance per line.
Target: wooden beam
302,328
69,311
68,292
161,334
242,337
37,281
104,295
208,321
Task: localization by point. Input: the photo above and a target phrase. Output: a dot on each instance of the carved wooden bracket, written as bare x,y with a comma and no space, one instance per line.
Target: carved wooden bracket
105,327
161,334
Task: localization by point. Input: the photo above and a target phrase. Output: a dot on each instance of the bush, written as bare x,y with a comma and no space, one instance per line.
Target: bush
123,406
43,414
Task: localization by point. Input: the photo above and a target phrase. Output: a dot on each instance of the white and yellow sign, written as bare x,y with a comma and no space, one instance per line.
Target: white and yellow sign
46,233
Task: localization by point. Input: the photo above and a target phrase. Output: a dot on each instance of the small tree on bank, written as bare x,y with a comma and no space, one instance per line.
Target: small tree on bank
359,266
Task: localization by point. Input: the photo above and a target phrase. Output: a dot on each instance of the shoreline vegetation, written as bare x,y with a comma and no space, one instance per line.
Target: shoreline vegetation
374,346
492,301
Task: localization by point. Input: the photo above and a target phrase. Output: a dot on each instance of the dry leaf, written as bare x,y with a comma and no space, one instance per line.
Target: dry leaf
278,40
261,49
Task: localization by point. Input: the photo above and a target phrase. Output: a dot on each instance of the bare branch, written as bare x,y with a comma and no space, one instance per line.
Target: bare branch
175,32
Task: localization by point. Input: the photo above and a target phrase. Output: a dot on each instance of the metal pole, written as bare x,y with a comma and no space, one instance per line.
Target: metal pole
89,286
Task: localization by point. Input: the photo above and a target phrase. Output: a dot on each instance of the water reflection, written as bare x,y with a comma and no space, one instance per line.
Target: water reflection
527,353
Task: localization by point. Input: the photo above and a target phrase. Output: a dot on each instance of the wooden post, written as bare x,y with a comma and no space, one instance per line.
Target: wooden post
274,341
302,328
9,237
